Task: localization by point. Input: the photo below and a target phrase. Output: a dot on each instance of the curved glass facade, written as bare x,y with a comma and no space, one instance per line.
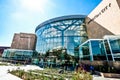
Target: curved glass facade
66,32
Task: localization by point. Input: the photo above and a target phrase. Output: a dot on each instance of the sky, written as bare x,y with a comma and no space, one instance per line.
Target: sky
25,15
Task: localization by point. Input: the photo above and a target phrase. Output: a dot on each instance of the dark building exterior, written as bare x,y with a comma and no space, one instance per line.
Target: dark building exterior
24,41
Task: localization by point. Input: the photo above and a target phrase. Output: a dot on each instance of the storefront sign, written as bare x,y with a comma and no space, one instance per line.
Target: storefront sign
100,13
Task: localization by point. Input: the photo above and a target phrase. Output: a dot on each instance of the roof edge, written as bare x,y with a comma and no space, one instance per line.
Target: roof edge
59,19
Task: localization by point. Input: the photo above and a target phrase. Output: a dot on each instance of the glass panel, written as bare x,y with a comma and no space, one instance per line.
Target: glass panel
95,48
98,50
108,50
17,54
115,45
107,47
65,33
85,49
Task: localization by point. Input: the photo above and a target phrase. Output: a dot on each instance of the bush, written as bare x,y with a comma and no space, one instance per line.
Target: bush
82,75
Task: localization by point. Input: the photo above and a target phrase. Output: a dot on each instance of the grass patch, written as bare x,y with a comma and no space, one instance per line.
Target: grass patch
51,74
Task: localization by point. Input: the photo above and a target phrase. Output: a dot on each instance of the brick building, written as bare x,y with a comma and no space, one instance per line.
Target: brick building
24,41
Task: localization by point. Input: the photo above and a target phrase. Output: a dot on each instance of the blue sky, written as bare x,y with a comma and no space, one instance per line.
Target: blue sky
24,15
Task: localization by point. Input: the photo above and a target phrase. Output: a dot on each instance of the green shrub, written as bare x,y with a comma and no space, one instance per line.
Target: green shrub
81,75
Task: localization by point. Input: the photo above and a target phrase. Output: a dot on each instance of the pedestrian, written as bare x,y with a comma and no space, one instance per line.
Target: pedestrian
91,69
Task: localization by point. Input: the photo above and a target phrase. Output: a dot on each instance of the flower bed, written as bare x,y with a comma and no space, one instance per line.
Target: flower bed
51,74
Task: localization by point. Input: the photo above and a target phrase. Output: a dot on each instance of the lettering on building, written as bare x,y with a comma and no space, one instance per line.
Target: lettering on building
100,13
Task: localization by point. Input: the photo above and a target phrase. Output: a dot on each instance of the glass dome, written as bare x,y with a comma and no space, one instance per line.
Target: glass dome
66,32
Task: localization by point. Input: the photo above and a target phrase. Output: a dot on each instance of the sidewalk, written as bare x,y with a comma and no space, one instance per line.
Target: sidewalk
95,77
9,76
4,75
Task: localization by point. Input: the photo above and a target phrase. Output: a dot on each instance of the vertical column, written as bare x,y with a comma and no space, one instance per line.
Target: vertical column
91,54
105,49
110,50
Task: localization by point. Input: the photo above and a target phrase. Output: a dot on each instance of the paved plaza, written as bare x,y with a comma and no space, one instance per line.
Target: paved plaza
4,75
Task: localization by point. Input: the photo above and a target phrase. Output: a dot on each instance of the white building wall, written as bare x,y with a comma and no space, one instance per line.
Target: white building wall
107,14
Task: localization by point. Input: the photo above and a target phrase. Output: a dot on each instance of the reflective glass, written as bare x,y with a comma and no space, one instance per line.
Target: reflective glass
65,33
98,50
115,45
17,54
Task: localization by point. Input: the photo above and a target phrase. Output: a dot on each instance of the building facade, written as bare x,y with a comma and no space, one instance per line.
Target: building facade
71,32
24,41
67,32
106,49
104,19
22,47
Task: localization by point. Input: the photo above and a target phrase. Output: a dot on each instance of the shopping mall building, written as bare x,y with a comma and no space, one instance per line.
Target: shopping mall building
101,29
62,32
92,37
